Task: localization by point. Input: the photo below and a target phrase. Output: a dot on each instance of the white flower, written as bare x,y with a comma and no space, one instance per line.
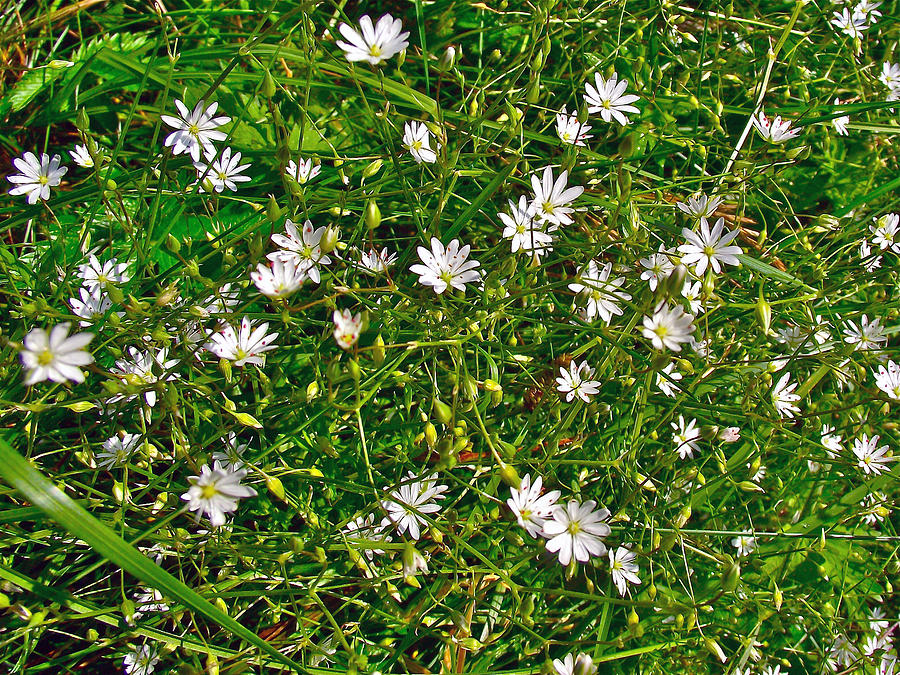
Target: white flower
413,561
744,545
608,98
885,232
365,528
875,511
141,370
232,457
658,267
623,568
710,248
36,176
582,665
869,264
195,131
832,442
442,267
55,356
417,139
302,171
700,347
663,380
890,78
774,131
91,306
869,8
867,335
117,450
576,381
222,172
374,44
552,200
82,157
377,262
603,295
730,434
691,293
700,206
150,600
870,458
280,279
246,346
346,328
577,531
304,248
888,380
141,661
531,507
411,499
685,437
527,233
850,23
570,130
96,275
216,492
669,327
783,397
222,301
840,123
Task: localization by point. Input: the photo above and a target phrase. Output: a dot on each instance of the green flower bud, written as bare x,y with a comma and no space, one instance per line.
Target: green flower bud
172,243
82,121
268,85
731,575
273,212
329,239
442,411
763,314
275,486
510,476
372,215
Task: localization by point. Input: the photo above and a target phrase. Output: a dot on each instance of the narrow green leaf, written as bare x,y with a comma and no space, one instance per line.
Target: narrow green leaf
771,272
19,473
473,207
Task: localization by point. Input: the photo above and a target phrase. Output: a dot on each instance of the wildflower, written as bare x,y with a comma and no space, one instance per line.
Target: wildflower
577,531
195,131
36,176
582,665
91,306
552,200
246,346
870,458
417,139
869,8
870,264
413,562
346,328
700,206
117,450
82,157
222,172
865,336
55,356
842,653
744,545
531,508
691,292
365,528
832,442
608,98
851,23
216,492
374,44
783,397
302,171
700,347
232,457
890,78
576,382
141,661
657,267
840,123
774,131
730,434
665,378
411,499
141,370
442,267
885,232
150,600
222,301
710,248
377,262
527,233
98,276
603,296
570,130
623,568
875,512
888,380
280,279
685,437
668,328
304,248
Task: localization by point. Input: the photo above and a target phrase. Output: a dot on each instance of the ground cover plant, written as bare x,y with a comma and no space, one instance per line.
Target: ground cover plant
419,337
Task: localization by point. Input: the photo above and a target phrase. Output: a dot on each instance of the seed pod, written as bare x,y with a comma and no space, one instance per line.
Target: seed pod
763,313
442,411
713,647
373,215
82,121
778,597
510,476
268,85
731,575
172,243
273,212
275,487
633,619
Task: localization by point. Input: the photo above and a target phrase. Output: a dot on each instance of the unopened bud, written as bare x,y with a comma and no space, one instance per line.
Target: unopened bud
172,243
731,575
510,476
713,647
373,215
763,314
329,239
273,212
82,121
268,85
442,411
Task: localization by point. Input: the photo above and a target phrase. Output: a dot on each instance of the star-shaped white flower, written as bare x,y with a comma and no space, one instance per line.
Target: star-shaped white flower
577,531
246,346
442,268
552,200
710,248
216,492
55,356
416,496
36,176
373,43
608,98
530,507
195,131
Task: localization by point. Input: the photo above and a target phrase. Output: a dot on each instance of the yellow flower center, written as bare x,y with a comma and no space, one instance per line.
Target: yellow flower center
239,354
45,358
548,207
43,180
574,527
374,50
193,130
209,491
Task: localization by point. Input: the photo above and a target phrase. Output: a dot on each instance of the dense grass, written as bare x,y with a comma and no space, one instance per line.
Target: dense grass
459,385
